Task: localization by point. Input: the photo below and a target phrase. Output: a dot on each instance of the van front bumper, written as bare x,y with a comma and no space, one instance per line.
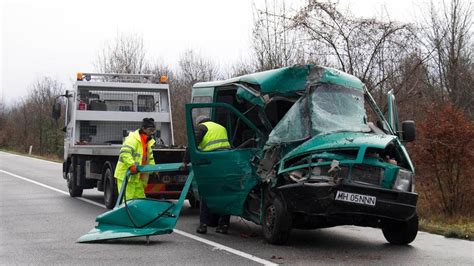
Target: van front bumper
320,199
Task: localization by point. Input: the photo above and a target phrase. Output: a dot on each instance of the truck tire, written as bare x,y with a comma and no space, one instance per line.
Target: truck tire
276,224
74,189
110,188
400,233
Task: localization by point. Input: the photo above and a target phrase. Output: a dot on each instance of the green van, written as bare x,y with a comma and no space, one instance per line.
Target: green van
310,149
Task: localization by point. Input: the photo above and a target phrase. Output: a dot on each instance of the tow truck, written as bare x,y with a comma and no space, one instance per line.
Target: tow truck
100,111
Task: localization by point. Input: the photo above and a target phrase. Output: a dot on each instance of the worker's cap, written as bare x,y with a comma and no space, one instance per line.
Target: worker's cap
201,119
148,123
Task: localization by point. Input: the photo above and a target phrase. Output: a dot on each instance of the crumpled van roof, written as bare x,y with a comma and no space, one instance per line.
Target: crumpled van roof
289,79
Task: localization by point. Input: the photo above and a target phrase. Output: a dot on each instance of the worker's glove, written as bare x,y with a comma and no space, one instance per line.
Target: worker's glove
183,167
133,169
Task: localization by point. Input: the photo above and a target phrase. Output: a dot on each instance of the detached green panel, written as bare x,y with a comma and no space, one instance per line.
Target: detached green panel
139,217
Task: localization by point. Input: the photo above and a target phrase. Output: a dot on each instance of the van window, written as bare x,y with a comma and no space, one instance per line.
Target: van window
201,111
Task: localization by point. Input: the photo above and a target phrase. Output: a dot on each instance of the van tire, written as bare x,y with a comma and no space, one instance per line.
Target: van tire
276,224
400,233
74,189
110,188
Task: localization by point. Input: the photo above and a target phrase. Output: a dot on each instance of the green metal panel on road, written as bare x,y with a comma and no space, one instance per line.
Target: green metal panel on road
139,217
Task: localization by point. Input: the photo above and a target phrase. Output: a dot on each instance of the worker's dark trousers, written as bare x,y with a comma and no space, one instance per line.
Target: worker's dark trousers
208,218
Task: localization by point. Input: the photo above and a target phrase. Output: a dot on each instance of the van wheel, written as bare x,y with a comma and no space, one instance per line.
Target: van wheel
74,189
276,222
110,189
400,233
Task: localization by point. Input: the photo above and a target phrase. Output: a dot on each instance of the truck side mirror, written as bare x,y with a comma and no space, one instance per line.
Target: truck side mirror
56,113
408,130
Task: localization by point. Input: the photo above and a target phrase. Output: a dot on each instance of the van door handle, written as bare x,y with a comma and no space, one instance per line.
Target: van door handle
202,162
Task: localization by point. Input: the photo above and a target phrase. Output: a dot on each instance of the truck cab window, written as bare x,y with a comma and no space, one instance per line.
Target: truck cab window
146,103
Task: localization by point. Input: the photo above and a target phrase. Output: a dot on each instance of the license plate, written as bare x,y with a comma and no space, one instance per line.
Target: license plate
356,198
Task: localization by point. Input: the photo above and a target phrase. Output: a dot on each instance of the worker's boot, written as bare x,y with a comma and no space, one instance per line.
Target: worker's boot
222,229
202,229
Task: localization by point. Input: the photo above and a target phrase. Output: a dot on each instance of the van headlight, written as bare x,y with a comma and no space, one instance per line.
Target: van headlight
403,181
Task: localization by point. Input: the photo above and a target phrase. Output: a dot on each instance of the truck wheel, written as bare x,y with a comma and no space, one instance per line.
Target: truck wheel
74,189
110,189
276,222
400,233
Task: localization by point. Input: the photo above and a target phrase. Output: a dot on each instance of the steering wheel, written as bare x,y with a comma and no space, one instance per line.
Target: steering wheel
246,143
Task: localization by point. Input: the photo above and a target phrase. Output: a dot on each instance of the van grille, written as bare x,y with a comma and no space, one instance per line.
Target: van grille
367,174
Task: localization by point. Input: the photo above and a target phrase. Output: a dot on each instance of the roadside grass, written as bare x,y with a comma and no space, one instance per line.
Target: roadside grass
462,228
49,157
432,219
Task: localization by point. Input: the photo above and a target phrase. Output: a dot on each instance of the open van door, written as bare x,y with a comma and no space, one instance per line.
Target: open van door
405,131
225,177
392,118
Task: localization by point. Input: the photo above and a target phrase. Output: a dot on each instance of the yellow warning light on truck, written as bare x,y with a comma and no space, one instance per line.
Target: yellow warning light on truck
163,79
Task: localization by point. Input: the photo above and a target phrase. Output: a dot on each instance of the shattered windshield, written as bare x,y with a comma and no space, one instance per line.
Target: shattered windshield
336,108
326,109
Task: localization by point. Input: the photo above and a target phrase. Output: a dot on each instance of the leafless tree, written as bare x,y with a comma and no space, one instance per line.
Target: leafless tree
367,48
273,44
28,121
193,67
448,38
42,97
126,54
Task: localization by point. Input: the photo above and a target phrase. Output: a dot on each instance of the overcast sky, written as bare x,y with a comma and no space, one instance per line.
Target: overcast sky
59,38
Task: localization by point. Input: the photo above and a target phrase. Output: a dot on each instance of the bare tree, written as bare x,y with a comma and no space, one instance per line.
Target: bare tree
367,48
195,68
28,121
448,39
126,54
42,96
273,44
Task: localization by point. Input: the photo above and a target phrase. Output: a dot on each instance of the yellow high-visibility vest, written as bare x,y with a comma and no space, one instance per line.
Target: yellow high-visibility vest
131,153
215,138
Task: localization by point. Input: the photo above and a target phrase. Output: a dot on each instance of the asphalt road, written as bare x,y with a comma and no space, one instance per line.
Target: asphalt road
39,224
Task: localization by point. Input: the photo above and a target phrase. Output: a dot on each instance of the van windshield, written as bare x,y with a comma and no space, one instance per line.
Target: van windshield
325,109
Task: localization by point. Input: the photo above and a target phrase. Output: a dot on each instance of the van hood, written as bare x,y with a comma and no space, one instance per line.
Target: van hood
341,140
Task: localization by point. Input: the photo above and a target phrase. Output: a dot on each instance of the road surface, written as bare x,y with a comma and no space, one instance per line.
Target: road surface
40,224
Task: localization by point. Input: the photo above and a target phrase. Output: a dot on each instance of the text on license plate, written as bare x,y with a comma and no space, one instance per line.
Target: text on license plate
356,198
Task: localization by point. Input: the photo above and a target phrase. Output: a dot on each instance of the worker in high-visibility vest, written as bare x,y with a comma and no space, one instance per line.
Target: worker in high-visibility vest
211,136
136,150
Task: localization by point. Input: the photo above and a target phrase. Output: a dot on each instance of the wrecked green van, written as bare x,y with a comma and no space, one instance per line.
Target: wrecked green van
310,149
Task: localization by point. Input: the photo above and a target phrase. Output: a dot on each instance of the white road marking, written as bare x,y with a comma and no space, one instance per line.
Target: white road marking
51,188
28,157
226,248
197,238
